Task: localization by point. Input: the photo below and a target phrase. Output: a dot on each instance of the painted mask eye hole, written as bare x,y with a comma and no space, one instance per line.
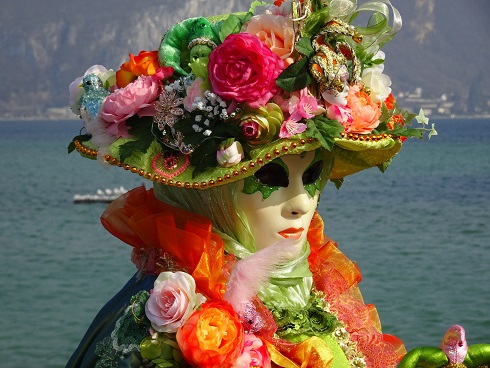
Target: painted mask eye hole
312,173
273,175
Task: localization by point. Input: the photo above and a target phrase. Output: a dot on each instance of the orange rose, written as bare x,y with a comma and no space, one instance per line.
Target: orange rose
365,112
212,337
146,63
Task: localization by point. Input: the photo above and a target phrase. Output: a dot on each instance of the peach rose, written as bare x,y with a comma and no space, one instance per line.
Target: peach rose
146,63
365,112
212,337
276,31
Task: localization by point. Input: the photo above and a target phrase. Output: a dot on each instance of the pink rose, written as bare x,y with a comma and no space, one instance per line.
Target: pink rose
244,69
276,31
254,354
340,113
126,102
172,301
365,112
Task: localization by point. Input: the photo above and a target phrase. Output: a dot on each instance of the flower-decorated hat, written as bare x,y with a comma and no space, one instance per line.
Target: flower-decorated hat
224,95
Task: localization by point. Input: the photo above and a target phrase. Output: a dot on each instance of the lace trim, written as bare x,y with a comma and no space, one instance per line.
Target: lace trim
349,347
132,327
108,357
341,335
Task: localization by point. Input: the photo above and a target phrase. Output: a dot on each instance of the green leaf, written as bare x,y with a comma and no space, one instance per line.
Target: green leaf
338,182
233,24
256,3
139,126
227,130
185,126
304,47
316,4
71,147
163,363
141,130
432,131
413,132
315,22
295,77
383,166
325,130
142,144
407,116
377,62
81,138
204,156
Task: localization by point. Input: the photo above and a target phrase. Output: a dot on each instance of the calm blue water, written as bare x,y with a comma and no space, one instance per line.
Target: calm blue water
420,234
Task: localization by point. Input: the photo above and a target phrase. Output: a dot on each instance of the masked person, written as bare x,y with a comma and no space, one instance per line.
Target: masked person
239,121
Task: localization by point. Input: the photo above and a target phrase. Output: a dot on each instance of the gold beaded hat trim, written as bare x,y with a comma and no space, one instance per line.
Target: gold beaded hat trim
360,152
222,96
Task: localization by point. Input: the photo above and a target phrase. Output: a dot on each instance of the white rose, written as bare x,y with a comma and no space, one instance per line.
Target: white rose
172,301
231,155
378,83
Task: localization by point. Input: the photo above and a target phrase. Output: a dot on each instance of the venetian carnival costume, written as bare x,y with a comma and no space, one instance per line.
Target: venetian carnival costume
226,100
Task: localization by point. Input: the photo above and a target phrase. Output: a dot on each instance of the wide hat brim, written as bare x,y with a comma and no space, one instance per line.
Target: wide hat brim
352,153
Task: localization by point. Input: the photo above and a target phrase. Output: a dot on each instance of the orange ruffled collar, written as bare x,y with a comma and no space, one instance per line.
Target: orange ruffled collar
338,277
157,232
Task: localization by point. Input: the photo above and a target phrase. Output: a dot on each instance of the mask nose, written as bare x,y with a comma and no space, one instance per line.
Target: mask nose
299,201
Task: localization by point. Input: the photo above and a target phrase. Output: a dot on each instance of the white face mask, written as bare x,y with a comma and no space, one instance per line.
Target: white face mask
286,208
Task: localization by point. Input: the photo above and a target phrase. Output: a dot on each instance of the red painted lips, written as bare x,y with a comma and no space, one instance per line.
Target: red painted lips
292,232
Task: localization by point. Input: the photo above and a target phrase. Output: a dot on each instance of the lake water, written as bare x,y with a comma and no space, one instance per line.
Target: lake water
420,234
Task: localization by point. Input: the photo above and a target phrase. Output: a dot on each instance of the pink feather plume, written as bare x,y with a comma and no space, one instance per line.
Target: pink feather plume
252,272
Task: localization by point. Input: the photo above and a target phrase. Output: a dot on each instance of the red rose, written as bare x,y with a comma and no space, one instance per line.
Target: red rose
244,69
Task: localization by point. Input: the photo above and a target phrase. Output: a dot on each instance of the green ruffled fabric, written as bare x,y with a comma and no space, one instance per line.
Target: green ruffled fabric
312,320
290,284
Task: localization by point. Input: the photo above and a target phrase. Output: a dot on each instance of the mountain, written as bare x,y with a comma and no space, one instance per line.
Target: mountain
442,47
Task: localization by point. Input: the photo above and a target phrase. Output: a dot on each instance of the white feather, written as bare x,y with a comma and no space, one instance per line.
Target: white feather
100,138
